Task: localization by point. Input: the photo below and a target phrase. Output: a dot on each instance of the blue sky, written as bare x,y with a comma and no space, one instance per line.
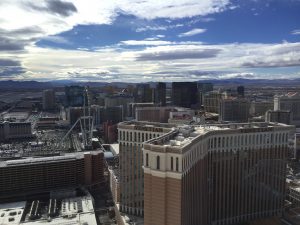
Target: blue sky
134,41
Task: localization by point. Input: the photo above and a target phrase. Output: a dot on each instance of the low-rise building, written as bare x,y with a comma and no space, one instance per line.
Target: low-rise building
22,177
15,130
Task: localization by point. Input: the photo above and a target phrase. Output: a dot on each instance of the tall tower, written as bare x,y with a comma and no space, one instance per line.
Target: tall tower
48,99
131,136
160,93
216,175
241,91
184,94
74,95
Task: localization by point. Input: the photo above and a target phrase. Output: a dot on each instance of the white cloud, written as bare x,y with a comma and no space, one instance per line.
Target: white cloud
192,32
146,42
156,42
173,9
180,61
57,39
158,27
21,25
155,28
35,13
296,32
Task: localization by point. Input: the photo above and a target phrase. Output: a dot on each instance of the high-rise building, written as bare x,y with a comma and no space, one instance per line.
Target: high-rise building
131,136
132,107
234,110
290,102
160,94
297,144
99,114
278,116
113,114
259,108
185,94
110,132
153,114
215,174
121,99
241,91
205,87
211,101
144,93
74,96
48,99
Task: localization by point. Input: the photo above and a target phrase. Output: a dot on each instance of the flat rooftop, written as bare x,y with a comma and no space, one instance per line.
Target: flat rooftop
16,115
11,213
38,160
115,148
145,124
184,135
74,211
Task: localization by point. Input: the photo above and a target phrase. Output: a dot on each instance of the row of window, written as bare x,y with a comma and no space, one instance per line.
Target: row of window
194,155
232,141
253,139
136,136
176,168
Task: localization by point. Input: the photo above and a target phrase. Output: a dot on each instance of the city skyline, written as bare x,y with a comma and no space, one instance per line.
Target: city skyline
143,41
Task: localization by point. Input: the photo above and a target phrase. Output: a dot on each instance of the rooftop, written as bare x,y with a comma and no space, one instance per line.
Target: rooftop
16,115
144,124
115,148
67,211
290,95
185,134
38,160
11,213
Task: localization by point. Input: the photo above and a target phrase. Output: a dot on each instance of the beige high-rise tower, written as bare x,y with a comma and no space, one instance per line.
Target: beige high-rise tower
215,175
131,136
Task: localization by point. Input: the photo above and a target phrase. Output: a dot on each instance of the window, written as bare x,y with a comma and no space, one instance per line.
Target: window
177,164
157,162
171,163
147,159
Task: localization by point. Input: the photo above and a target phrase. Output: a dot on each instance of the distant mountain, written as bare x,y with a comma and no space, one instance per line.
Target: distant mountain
243,81
15,85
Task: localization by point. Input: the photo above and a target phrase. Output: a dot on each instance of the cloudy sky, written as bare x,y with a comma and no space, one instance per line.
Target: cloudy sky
149,40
